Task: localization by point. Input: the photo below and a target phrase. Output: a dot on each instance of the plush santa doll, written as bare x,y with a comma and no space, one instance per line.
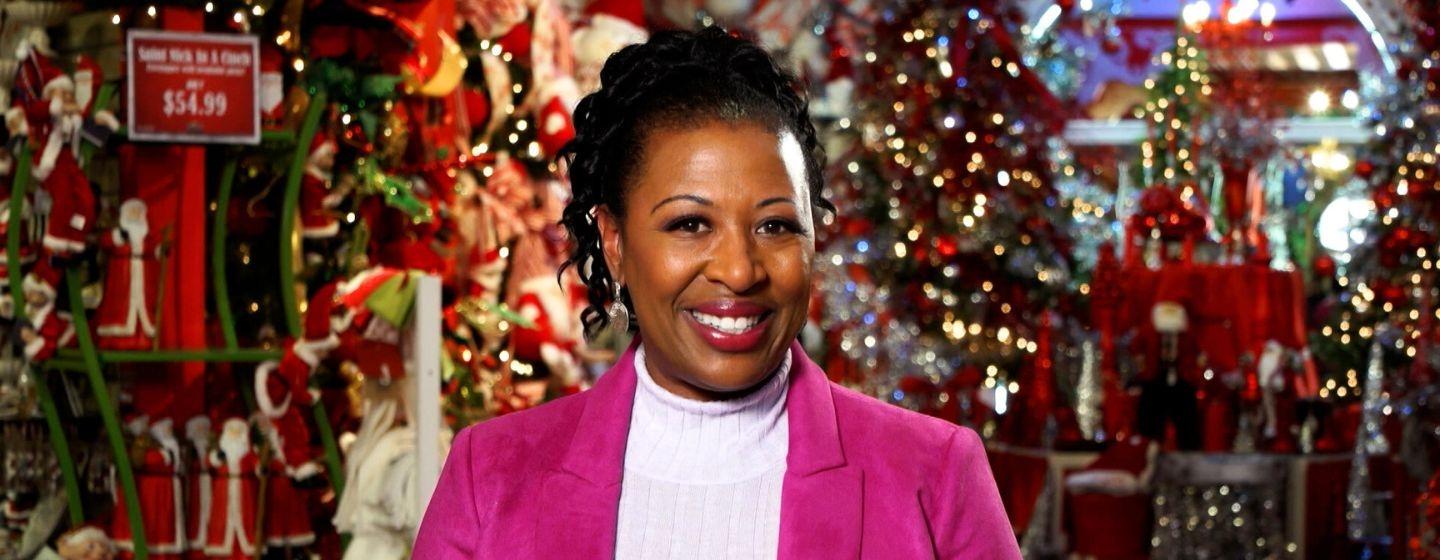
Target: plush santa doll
232,512
555,332
555,125
162,496
46,111
287,519
49,328
611,26
198,484
317,202
125,319
277,385
272,84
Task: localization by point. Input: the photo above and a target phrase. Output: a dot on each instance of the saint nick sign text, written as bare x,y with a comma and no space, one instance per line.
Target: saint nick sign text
193,87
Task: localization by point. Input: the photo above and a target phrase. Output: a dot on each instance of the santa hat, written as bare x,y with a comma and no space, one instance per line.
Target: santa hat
322,145
42,279
556,126
631,12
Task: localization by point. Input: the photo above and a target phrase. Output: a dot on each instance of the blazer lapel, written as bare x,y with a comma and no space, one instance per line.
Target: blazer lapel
579,500
822,497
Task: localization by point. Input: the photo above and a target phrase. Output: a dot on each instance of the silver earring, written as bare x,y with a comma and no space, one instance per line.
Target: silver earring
619,314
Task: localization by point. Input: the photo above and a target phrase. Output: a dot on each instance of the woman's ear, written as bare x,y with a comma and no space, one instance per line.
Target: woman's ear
610,242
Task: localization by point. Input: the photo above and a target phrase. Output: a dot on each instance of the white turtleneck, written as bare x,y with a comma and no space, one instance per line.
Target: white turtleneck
703,479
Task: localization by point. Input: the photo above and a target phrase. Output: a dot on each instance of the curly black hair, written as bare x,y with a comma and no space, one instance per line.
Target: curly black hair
676,79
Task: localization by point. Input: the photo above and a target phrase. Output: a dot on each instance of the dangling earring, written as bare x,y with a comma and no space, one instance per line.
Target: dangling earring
619,314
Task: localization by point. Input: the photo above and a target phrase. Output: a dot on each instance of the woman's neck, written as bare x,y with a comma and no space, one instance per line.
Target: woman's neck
679,439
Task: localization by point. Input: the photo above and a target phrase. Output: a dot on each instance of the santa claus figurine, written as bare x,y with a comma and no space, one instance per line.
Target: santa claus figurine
612,25
317,202
157,484
287,520
232,511
45,110
140,443
125,319
552,340
49,329
198,484
162,496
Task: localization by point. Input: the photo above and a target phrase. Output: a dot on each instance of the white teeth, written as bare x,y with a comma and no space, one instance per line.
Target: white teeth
728,325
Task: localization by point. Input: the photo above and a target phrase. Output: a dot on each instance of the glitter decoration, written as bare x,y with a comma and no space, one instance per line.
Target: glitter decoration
1220,506
1090,393
1365,517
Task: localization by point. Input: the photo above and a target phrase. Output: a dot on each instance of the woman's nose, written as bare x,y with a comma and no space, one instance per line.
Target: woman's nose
736,263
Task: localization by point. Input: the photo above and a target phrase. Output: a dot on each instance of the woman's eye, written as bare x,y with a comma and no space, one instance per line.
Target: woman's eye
778,227
688,224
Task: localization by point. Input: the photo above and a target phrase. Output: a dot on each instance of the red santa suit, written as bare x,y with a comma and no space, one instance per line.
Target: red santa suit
317,203
125,318
162,494
52,329
135,426
44,101
162,506
287,520
232,512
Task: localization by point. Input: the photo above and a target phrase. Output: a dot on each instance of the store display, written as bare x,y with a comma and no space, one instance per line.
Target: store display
1157,254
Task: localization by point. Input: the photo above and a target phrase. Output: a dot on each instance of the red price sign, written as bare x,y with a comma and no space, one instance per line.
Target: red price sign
193,87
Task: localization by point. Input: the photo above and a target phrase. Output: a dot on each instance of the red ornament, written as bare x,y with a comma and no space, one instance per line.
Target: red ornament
1324,266
1364,168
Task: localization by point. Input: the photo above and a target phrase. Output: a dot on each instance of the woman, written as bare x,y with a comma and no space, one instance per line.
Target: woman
696,173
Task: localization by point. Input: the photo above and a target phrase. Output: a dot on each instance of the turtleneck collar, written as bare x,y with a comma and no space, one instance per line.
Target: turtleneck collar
676,439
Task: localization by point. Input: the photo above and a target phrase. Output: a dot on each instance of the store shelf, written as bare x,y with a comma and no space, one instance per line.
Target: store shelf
170,356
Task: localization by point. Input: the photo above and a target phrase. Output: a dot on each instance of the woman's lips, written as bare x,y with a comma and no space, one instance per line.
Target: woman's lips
730,326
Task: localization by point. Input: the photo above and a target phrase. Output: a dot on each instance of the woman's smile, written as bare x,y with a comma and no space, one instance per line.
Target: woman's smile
730,325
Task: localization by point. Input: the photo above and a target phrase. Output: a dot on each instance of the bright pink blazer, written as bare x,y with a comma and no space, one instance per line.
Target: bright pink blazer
863,479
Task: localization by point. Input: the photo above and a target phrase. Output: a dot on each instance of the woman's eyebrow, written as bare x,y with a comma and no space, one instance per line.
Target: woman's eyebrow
775,200
690,197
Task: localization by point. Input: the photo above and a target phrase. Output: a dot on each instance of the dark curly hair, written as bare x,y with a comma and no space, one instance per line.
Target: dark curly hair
676,79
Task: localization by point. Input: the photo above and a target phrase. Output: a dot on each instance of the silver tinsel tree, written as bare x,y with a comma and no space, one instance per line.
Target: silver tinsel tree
1366,514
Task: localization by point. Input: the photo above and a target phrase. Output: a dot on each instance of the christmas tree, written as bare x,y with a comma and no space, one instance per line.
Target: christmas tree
949,241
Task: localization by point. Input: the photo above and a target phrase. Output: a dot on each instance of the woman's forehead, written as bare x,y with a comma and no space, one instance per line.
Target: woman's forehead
722,159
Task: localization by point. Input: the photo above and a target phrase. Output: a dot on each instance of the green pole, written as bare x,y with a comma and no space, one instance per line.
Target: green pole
62,450
107,415
287,211
12,238
58,443
217,254
287,272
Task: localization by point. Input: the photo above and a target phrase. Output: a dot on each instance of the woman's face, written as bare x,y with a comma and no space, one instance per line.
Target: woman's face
715,251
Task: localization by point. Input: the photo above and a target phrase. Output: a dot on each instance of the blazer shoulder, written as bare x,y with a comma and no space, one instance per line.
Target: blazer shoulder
521,439
907,432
